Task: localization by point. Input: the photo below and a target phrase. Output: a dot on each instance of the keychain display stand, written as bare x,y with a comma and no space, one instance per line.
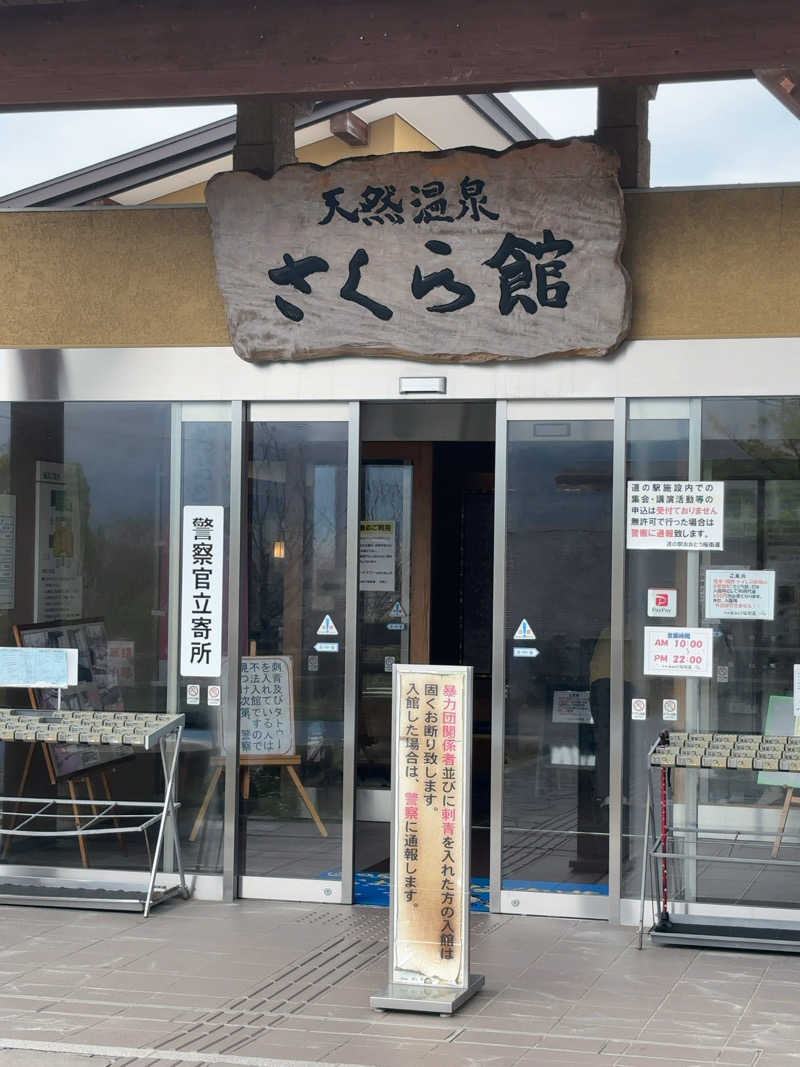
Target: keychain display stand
663,840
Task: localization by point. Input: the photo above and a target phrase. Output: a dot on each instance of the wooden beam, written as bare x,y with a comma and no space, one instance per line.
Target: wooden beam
108,51
784,84
622,124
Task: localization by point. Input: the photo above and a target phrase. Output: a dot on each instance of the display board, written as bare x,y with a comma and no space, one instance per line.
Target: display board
266,706
96,688
430,849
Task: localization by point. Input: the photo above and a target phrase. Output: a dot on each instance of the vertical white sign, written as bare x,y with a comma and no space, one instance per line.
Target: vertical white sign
797,690
201,591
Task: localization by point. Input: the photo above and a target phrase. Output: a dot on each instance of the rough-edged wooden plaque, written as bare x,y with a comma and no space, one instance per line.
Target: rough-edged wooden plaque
460,256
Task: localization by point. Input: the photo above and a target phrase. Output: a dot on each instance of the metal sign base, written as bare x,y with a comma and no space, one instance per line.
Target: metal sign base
439,999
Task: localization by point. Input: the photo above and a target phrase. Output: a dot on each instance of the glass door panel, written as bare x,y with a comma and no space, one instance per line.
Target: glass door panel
394,598
558,615
291,799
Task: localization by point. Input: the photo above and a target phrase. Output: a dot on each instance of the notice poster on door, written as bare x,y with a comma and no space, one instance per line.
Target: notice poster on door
376,561
58,555
266,706
430,851
676,515
572,705
740,594
678,653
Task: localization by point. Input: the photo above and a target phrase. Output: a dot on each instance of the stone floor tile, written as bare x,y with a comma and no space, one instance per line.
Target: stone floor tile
675,1052
553,1058
471,1054
377,1052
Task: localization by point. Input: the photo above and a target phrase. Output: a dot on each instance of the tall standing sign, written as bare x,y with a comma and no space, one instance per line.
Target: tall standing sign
460,256
431,776
201,591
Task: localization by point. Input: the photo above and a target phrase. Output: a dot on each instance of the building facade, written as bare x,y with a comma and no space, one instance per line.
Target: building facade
446,513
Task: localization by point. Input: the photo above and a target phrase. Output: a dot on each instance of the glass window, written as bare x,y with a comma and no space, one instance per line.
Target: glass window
84,563
297,541
753,445
657,450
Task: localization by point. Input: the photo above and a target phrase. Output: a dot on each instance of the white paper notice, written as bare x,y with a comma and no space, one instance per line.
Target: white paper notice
676,515
571,705
201,591
738,594
376,557
678,653
797,690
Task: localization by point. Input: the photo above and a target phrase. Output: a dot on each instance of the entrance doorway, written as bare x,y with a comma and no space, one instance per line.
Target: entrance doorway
425,596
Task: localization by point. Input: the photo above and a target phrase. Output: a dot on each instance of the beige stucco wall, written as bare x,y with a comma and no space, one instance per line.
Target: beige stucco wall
704,263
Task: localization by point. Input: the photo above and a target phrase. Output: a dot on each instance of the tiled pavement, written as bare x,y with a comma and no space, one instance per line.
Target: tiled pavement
259,983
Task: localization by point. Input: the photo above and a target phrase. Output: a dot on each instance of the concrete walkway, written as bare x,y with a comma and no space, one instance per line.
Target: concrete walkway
257,984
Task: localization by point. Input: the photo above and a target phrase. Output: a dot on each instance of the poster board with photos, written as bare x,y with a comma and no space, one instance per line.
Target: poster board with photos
96,688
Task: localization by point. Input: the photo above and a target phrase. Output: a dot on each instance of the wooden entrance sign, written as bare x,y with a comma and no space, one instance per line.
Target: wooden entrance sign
266,730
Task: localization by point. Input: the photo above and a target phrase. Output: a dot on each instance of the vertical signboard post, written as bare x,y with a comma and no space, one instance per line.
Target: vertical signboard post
430,890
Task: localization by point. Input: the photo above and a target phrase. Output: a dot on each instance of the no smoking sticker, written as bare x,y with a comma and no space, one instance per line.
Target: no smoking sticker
638,708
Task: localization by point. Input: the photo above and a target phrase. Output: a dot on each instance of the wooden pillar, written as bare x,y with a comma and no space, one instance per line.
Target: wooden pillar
264,134
622,114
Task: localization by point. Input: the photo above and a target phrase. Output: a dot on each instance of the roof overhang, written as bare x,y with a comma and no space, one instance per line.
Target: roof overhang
156,51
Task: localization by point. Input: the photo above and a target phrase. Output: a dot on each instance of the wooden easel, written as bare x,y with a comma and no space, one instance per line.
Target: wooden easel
51,774
789,801
245,763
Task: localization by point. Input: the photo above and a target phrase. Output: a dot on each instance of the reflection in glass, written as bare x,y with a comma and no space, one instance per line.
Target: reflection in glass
555,832
297,525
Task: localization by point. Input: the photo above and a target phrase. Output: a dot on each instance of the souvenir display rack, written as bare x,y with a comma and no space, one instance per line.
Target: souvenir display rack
43,816
734,752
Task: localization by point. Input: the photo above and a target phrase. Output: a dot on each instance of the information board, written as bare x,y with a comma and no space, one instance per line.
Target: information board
678,653
432,733
266,706
676,515
740,594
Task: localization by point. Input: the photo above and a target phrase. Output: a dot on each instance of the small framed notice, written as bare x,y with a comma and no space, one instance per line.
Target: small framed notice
676,515
266,706
678,653
740,594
